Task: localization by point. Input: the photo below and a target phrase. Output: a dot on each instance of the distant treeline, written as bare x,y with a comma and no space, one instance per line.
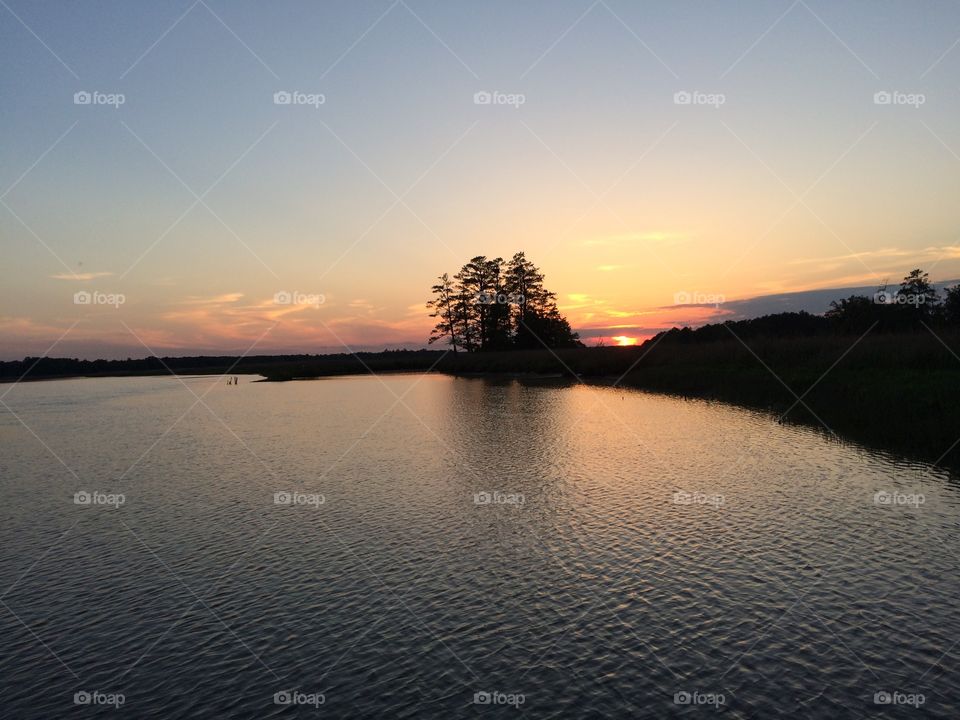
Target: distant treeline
286,365
915,306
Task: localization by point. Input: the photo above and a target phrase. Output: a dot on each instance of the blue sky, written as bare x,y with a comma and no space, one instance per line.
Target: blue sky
797,180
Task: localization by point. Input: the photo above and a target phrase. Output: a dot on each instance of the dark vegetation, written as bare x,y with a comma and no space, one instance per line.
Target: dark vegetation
275,367
495,305
878,370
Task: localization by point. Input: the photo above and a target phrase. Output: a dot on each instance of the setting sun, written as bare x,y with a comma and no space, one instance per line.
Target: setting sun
624,341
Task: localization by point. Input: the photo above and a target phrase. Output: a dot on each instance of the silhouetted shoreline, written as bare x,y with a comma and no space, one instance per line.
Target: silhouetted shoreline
896,391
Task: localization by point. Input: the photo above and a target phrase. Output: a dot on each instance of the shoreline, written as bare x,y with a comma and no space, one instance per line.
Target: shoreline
773,411
896,393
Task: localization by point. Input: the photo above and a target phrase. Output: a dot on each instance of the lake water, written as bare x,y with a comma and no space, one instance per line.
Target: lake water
453,548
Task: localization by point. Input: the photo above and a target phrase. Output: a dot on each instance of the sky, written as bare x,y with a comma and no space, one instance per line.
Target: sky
664,163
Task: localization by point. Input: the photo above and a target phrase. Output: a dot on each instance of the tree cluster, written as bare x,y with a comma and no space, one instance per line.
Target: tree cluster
911,306
779,325
497,304
914,304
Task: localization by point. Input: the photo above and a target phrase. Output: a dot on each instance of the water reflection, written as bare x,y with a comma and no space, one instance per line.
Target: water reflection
612,589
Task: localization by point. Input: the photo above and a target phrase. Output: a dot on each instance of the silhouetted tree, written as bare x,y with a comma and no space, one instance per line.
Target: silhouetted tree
918,294
854,314
525,283
476,280
538,321
497,305
951,305
444,307
916,301
498,330
466,318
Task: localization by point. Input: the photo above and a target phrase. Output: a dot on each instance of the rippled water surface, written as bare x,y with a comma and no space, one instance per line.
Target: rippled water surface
639,550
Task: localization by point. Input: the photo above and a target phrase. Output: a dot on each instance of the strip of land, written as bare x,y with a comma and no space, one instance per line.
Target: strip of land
898,392
892,392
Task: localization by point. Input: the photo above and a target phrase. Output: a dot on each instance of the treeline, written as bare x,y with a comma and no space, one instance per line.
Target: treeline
493,304
916,305
287,366
781,325
58,367
913,305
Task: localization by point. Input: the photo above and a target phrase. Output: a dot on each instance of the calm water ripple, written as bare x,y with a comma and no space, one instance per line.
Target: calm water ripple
471,549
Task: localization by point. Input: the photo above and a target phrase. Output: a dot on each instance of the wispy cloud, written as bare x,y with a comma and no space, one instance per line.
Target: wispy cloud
881,253
215,300
637,237
881,257
362,306
80,276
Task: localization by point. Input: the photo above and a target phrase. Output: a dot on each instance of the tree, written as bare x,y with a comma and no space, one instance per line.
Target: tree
525,283
444,306
951,305
915,301
498,328
551,329
537,319
495,305
466,318
917,293
854,314
475,281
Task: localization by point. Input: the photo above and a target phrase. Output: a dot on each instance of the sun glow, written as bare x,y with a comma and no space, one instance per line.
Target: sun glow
624,341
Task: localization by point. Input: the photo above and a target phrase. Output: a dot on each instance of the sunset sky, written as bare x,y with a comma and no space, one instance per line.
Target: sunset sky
199,198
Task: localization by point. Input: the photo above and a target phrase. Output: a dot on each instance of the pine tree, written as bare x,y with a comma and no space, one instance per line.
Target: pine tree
444,307
495,305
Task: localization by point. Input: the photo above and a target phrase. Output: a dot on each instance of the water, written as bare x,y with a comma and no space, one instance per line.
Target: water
781,588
